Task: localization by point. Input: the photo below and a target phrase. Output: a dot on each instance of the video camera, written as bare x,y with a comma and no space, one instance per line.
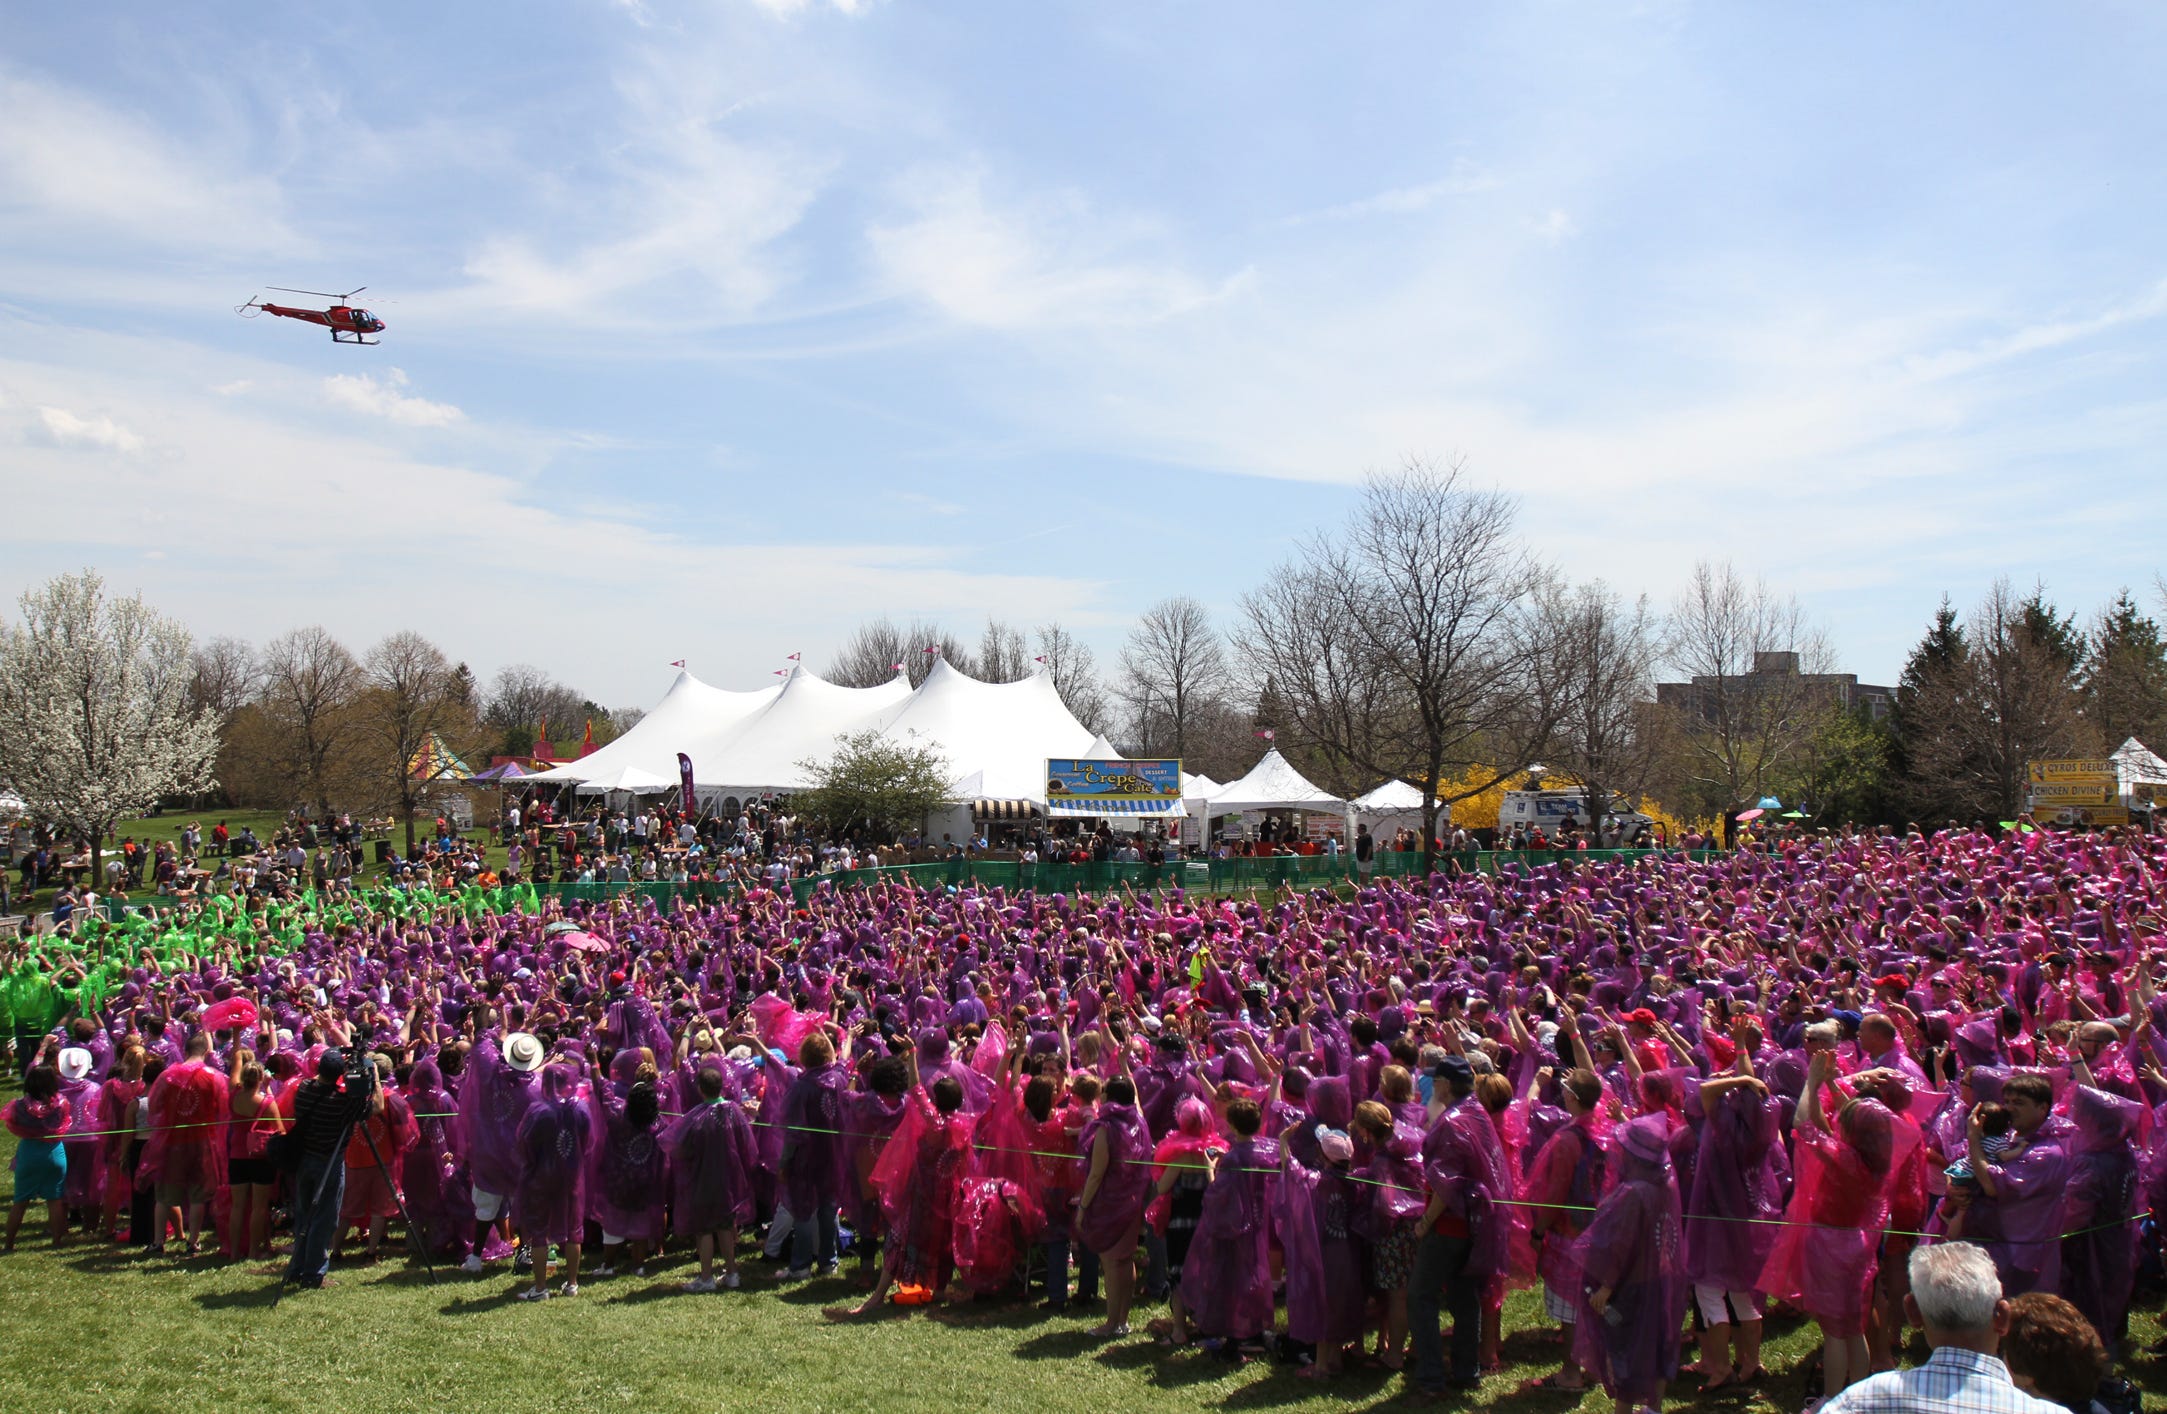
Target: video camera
359,1077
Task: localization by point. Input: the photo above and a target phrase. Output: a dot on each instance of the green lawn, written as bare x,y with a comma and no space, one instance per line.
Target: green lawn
93,1328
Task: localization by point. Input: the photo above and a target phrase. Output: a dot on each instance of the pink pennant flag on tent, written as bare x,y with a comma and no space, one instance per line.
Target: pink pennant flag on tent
677,662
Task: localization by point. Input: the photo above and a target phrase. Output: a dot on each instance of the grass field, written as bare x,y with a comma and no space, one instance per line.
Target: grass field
92,1328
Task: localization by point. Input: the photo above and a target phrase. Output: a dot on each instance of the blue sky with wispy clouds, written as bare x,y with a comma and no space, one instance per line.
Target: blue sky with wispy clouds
720,326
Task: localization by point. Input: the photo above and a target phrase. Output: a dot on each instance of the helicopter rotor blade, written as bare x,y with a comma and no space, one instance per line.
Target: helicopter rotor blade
352,292
320,294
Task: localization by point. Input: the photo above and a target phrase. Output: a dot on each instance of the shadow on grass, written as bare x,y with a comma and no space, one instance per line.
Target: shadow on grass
481,1303
253,1298
1059,1345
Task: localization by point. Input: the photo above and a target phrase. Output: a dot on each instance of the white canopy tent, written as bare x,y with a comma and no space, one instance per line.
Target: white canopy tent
1272,784
2136,764
1395,805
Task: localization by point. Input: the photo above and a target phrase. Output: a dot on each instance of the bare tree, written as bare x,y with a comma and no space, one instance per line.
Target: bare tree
1173,668
1607,650
1003,655
875,649
1408,645
1074,669
624,719
523,700
411,697
1753,696
224,676
310,684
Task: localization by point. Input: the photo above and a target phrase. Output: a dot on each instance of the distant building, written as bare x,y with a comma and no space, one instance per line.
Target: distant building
1773,670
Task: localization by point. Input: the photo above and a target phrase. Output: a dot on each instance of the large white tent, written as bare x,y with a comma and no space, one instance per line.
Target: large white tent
994,737
767,751
688,715
629,780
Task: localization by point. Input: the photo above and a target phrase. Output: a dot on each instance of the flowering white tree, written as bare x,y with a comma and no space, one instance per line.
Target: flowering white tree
95,715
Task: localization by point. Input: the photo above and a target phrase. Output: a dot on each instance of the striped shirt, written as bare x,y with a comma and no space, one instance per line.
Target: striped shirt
1953,1381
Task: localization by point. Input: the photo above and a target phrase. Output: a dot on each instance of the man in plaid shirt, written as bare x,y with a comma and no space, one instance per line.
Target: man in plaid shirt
1956,1295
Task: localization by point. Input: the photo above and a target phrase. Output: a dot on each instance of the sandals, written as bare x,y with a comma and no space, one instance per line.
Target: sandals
1556,1383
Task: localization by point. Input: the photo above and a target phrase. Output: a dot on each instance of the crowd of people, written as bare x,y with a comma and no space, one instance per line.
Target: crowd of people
1887,1081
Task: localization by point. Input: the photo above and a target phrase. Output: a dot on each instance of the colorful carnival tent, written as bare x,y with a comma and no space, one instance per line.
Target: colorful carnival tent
437,762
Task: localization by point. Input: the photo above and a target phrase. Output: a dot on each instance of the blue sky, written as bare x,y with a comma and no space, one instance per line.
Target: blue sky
717,327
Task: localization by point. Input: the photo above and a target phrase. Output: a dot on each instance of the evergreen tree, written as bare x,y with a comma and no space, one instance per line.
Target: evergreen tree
2124,679
1930,692
2055,634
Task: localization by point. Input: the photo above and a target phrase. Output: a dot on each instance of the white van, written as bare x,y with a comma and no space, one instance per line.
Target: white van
1548,810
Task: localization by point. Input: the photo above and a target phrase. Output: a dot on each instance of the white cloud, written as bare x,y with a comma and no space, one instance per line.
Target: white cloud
933,505
235,388
1554,227
621,572
62,428
1466,179
1059,264
380,397
676,225
792,7
72,166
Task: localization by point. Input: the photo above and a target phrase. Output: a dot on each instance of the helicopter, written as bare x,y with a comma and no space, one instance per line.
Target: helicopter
347,323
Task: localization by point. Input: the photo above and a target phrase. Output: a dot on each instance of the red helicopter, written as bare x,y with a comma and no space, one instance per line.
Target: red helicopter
347,323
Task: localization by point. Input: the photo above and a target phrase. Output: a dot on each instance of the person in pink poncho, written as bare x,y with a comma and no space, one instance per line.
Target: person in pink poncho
917,1178
185,1158
1823,1262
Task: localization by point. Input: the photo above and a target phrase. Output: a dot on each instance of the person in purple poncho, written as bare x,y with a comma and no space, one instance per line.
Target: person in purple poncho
2099,1252
1730,1219
2021,1193
1633,1278
626,1178
494,1097
1321,1226
1226,1274
1465,1238
815,1169
549,1197
1117,1185
712,1158
429,1172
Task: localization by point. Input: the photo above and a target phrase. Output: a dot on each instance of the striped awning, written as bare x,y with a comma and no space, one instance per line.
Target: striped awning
1168,807
989,809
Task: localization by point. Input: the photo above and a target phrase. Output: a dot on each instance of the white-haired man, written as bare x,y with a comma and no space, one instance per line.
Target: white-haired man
1956,1295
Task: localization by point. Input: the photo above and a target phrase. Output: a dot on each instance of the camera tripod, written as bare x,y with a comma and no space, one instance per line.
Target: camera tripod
338,1156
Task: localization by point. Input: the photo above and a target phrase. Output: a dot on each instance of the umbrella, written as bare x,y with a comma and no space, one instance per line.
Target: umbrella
585,942
1769,802
1794,814
1753,814
232,1014
562,925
